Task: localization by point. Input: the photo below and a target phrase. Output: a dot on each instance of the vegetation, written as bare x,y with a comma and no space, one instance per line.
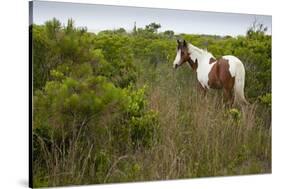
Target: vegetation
108,107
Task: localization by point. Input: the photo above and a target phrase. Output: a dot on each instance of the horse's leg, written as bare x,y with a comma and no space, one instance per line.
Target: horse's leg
228,97
201,89
232,98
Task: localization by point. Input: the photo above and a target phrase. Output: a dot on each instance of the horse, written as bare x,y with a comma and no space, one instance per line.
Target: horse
227,72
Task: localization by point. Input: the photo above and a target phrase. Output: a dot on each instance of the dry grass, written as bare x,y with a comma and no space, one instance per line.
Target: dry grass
199,137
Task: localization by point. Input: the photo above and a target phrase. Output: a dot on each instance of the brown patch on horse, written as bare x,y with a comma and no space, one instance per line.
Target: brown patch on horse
220,77
194,65
212,60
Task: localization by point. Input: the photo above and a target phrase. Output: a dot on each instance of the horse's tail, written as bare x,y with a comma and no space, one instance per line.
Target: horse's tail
239,84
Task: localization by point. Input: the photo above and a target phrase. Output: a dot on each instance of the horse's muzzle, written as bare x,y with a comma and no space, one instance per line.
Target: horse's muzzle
176,66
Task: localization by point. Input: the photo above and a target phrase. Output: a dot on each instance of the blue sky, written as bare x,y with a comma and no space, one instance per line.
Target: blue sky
101,17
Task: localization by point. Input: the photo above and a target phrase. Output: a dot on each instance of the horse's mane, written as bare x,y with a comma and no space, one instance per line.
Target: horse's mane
200,51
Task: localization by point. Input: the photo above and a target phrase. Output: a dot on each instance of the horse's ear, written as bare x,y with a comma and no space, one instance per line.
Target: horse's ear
184,43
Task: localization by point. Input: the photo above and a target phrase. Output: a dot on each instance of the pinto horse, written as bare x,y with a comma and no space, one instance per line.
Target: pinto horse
227,72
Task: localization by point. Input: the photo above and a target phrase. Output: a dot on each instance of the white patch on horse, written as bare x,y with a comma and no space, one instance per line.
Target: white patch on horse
204,66
177,59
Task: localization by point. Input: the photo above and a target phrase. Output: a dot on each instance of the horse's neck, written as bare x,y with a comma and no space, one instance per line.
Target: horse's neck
202,56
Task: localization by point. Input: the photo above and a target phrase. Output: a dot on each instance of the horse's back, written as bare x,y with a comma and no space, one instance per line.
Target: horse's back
235,65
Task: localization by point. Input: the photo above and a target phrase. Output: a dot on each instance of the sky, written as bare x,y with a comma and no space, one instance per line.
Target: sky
102,17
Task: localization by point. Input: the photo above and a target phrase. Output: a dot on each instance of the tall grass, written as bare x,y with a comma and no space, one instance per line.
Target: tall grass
200,136
197,137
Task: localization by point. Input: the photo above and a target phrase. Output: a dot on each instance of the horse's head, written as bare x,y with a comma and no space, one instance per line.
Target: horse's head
182,54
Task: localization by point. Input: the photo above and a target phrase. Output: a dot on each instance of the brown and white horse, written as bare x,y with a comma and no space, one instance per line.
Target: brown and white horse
227,72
